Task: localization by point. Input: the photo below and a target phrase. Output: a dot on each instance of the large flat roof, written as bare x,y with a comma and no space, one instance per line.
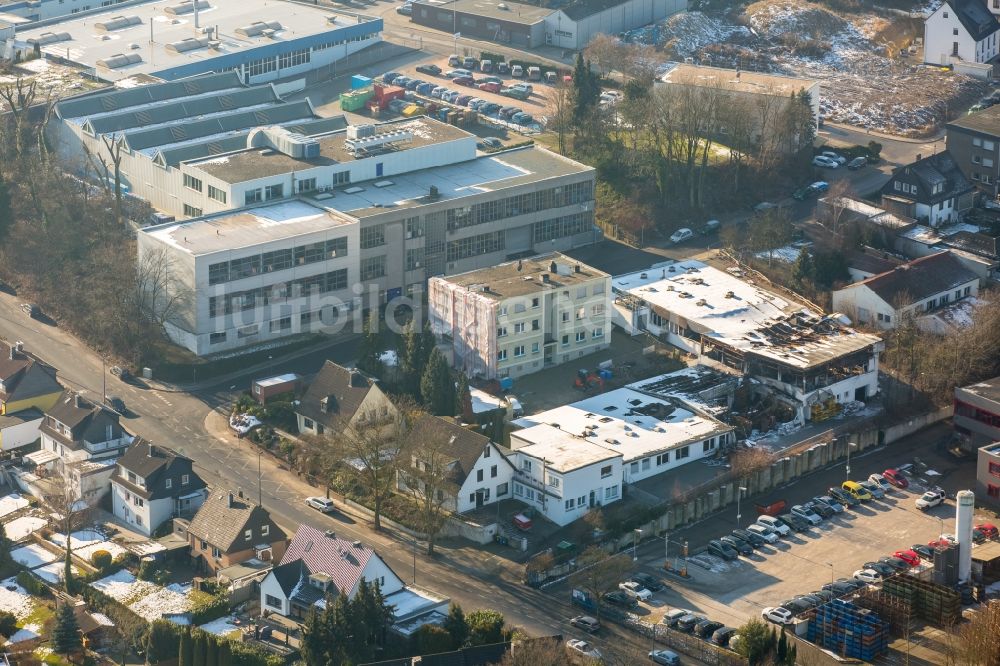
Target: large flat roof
742,315
986,121
562,451
989,389
526,276
624,421
738,80
245,228
690,385
515,12
97,36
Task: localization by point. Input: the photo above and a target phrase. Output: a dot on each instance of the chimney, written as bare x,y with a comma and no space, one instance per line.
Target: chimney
918,157
78,401
576,269
12,352
545,278
149,451
195,3
240,493
357,544
520,265
230,502
19,346
553,267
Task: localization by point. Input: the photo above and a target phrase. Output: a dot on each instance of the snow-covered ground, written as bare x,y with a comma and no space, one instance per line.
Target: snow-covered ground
11,503
33,555
146,599
88,551
25,633
80,538
221,627
15,599
53,573
20,528
787,254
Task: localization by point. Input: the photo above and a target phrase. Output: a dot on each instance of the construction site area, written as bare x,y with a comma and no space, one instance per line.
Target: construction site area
870,63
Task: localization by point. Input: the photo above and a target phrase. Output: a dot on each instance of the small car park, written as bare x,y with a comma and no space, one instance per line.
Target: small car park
681,235
635,590
585,622
777,615
930,499
664,658
824,162
321,504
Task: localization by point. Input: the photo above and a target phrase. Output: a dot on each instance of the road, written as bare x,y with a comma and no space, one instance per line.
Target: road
187,422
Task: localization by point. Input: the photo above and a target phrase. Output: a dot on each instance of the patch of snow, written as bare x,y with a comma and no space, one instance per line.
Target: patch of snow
221,627
689,32
38,65
79,538
20,528
53,573
15,599
955,228
788,254
88,551
33,555
243,423
146,599
102,619
25,633
146,548
11,503
389,358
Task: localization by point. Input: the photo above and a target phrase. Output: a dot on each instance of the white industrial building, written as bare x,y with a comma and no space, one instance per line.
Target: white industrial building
521,316
809,361
366,220
27,11
573,25
176,39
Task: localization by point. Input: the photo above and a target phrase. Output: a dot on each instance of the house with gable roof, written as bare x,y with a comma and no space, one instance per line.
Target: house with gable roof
932,190
340,397
229,529
961,30
25,381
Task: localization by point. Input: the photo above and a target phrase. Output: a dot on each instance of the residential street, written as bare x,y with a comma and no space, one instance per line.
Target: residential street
189,423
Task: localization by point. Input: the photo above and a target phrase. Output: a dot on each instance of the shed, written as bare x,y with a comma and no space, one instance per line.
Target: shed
265,389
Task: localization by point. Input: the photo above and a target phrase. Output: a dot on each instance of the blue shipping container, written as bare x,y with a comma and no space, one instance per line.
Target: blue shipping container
358,81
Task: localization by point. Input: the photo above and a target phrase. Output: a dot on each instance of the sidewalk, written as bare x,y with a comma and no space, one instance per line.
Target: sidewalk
882,135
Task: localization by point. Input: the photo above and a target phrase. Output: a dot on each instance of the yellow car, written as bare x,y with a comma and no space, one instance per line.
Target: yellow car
856,490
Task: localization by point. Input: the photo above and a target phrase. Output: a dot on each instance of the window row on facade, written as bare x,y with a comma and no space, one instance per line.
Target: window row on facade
519,204
269,262
276,293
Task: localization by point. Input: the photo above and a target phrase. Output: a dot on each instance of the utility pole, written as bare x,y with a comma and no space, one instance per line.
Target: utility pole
260,485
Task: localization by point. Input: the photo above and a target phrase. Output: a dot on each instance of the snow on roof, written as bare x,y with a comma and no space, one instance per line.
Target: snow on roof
483,401
280,379
11,503
561,450
409,600
741,315
922,234
624,421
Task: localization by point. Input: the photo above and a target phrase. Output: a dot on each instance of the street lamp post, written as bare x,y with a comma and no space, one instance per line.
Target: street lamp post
636,533
850,445
739,494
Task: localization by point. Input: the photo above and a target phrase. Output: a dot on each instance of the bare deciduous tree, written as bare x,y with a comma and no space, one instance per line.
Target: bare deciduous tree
544,651
600,573
429,479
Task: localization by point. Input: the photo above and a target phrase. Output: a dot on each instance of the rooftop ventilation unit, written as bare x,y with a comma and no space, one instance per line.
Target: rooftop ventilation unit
119,60
185,7
296,146
188,44
118,23
259,28
377,142
50,38
269,33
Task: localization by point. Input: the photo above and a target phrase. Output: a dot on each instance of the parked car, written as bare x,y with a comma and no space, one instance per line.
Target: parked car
585,622
438,91
121,373
619,598
775,524
857,163
489,108
491,142
852,583
321,504
470,62
405,10
880,567
989,529
671,617
681,235
824,162
819,187
486,66
825,595
463,100
664,657
651,583
827,501
706,628
454,60
881,482
524,119
401,81
456,73
31,309
895,563
843,497
822,510
806,513
741,547
425,88
116,404
719,549
794,522
580,648
896,478
414,84
489,86
688,622
836,157
930,499
908,556
873,488
801,194
778,615
389,77
635,590
464,81
923,551
433,70
868,576
710,227
839,588
503,68
764,532
856,490
517,71
723,635
753,540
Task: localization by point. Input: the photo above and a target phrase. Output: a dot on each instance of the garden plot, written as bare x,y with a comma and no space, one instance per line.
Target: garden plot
23,527
25,633
88,551
146,599
15,599
80,538
53,573
11,503
224,626
33,555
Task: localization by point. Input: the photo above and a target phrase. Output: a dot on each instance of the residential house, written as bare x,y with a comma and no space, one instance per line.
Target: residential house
974,142
910,290
810,362
25,381
977,413
80,440
479,472
229,529
517,317
988,472
339,397
318,564
153,484
933,190
961,30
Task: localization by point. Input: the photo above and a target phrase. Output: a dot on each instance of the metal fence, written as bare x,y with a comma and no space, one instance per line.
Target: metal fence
688,644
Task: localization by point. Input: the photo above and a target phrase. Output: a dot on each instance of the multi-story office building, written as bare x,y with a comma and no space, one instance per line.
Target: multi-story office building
375,213
176,39
977,412
518,317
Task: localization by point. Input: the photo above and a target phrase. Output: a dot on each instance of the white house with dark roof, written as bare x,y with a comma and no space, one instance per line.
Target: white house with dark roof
962,30
152,484
918,289
340,397
932,190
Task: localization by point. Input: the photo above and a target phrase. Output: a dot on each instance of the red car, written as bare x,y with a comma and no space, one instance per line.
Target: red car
939,543
989,530
464,81
908,556
895,478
